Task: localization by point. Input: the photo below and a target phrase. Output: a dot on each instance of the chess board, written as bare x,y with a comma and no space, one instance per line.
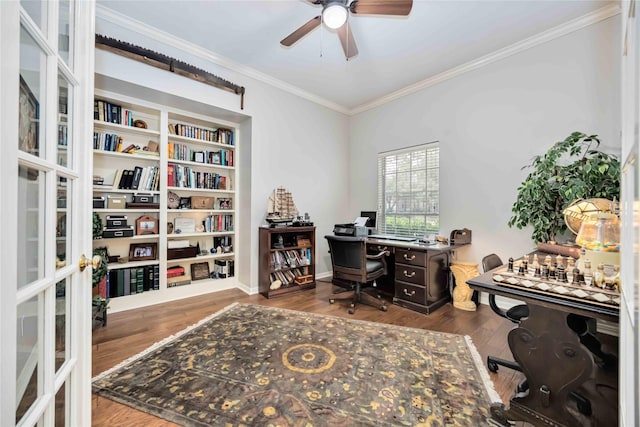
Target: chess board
588,294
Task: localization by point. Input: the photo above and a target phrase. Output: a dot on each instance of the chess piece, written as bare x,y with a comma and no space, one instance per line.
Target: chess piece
536,272
510,265
598,276
535,259
562,274
462,293
588,278
558,261
547,260
545,271
575,280
552,272
525,264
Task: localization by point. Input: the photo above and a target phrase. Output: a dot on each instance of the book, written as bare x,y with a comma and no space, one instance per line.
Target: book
140,279
127,282
171,182
156,277
133,281
135,181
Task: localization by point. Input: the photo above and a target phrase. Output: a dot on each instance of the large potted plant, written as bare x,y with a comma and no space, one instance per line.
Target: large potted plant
571,169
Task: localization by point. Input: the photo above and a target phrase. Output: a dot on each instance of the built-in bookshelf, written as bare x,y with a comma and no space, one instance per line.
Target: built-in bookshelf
170,176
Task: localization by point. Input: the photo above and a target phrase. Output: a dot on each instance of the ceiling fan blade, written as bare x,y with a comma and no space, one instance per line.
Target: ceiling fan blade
348,43
381,7
305,29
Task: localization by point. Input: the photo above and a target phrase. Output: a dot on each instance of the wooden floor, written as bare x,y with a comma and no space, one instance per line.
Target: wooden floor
130,332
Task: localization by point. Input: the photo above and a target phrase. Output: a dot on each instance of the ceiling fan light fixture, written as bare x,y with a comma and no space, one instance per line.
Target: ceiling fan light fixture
334,15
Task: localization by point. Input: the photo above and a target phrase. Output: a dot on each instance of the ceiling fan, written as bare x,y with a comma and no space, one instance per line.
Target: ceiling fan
335,14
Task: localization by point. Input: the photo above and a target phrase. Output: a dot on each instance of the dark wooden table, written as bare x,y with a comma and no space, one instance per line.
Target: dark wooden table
572,379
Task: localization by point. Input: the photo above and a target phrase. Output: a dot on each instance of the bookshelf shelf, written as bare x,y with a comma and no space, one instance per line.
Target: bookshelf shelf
122,128
200,165
157,137
132,264
202,234
126,210
201,190
128,156
201,258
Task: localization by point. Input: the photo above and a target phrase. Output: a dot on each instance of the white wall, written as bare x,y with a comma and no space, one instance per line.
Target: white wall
294,142
490,122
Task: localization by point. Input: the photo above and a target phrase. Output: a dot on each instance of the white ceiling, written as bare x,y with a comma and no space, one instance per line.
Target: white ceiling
394,52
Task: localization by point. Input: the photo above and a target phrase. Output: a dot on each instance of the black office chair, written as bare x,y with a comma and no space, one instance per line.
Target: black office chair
514,314
355,269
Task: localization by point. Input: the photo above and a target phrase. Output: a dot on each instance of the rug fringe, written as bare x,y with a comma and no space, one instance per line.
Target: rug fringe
488,384
162,342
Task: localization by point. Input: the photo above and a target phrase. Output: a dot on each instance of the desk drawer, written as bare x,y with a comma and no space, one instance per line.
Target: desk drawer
412,257
412,293
408,273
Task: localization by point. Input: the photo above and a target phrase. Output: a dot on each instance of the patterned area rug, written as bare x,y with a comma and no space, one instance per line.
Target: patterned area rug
251,365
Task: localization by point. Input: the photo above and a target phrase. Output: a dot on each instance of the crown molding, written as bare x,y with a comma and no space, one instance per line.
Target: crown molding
538,39
200,52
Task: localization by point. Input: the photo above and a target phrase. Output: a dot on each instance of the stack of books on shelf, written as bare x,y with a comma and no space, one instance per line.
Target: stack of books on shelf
106,111
134,280
139,178
185,152
291,258
221,136
218,223
288,277
186,177
176,276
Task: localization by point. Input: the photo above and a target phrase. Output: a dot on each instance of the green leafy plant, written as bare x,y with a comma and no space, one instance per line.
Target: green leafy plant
571,169
100,272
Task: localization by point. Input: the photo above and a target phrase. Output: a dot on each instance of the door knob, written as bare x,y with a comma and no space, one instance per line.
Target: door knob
93,262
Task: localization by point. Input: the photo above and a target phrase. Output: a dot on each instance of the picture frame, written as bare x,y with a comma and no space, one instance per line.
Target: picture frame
200,271
143,251
28,120
198,156
146,225
185,203
215,157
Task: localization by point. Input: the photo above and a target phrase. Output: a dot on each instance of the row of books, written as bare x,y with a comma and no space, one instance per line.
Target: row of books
222,241
186,177
134,280
113,113
288,276
139,178
221,136
218,223
185,152
107,142
291,258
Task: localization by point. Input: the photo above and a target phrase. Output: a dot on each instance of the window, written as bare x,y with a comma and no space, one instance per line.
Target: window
409,191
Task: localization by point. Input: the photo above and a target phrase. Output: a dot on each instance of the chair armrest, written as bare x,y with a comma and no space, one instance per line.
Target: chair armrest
381,255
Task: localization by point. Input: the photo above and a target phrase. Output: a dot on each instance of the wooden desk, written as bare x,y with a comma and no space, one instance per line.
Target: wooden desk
417,273
556,363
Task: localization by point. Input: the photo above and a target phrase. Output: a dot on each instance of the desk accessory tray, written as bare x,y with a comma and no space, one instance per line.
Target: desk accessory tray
588,294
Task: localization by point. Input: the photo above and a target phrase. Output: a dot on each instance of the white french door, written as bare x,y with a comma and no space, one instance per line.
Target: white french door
46,91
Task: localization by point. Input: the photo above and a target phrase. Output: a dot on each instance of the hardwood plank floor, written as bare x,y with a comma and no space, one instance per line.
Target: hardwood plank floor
130,332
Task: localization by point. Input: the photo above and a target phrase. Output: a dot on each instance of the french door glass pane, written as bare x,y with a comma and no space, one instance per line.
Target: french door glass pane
65,19
31,238
32,62
64,106
37,10
60,406
63,225
62,322
28,343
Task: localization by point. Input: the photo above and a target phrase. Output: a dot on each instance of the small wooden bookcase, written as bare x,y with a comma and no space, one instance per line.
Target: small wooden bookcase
287,254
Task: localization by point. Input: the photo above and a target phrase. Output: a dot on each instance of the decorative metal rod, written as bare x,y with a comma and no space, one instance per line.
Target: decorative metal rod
165,62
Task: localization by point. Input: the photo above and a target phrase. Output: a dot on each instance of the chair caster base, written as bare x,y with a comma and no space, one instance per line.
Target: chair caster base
331,301
352,310
493,367
384,308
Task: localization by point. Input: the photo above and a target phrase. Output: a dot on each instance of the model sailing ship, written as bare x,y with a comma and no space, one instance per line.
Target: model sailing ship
281,209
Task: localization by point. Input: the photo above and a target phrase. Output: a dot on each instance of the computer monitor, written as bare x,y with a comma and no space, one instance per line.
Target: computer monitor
371,222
